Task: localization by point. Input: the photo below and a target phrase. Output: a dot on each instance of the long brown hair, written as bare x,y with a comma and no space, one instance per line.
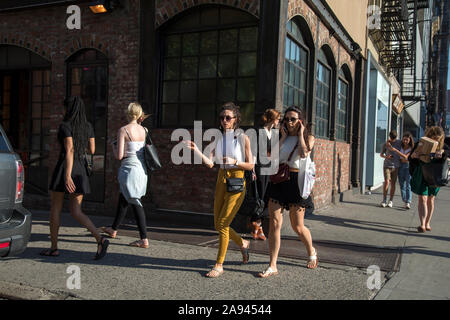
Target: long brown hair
411,140
302,117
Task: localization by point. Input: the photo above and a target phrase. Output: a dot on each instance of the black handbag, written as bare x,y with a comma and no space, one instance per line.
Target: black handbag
253,205
435,173
151,155
235,185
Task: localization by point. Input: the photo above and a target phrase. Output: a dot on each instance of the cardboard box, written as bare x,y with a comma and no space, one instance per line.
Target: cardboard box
425,147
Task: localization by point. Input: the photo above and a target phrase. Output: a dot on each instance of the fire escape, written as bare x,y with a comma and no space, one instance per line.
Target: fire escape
397,41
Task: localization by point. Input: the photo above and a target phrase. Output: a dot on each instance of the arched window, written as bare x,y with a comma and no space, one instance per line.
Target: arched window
209,58
295,67
343,92
87,76
323,94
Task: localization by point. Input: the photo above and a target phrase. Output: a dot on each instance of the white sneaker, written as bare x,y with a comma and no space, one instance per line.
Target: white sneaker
383,204
390,204
408,205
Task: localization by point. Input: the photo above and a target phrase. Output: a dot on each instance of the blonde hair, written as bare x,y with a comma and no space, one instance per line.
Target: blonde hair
436,131
134,111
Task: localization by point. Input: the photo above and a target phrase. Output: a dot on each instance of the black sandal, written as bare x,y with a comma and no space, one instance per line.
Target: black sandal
104,244
49,253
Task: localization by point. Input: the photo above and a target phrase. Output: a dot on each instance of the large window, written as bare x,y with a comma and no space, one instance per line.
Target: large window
382,125
88,78
209,58
295,66
342,107
323,96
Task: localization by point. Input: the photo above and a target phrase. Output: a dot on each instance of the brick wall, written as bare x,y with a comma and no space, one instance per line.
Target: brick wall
115,34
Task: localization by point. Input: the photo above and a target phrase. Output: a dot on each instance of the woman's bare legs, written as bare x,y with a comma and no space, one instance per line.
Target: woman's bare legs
276,221
297,216
75,201
430,207
423,209
57,201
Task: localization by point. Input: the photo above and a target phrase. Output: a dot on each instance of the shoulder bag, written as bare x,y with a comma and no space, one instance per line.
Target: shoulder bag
253,205
283,170
234,185
435,173
150,154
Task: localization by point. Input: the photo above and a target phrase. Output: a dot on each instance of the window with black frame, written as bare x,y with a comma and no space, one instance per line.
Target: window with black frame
341,117
323,96
209,58
295,66
88,77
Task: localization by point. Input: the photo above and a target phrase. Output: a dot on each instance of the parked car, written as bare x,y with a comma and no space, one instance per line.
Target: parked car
15,220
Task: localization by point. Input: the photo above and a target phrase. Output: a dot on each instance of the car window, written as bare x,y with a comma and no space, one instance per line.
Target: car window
3,144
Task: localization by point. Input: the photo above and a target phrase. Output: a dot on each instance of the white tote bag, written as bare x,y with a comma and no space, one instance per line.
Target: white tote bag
306,176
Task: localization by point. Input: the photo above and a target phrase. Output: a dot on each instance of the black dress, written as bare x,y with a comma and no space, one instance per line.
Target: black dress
79,172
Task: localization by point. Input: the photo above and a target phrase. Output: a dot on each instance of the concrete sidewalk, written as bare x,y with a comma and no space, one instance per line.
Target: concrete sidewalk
169,270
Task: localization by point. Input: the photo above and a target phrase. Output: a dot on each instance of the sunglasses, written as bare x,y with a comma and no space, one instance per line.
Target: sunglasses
227,118
286,119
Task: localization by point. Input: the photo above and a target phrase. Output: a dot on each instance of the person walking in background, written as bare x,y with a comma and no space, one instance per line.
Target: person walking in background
70,176
390,167
132,174
232,151
296,142
404,177
426,193
270,120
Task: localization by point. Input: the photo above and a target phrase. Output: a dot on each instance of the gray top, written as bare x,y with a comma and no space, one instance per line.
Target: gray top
395,161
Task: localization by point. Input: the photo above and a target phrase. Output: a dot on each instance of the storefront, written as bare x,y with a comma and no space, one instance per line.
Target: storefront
182,60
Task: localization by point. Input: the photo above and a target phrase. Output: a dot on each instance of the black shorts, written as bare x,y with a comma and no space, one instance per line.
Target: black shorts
287,193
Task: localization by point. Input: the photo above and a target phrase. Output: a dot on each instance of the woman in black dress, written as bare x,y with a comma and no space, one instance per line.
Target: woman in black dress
270,120
70,176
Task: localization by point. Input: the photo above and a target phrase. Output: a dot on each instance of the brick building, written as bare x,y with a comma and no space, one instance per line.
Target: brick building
181,59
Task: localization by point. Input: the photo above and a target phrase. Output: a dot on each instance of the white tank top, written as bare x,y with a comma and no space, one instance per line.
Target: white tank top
286,149
234,148
132,148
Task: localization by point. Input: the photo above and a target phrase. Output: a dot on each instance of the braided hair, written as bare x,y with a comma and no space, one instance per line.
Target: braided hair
76,117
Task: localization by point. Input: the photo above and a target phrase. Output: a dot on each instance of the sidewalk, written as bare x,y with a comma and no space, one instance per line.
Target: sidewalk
356,231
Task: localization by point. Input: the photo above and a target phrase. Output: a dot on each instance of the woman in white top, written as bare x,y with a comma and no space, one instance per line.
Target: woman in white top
233,154
404,177
296,142
132,174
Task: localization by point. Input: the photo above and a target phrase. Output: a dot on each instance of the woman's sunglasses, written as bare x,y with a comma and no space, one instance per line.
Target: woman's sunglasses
227,118
287,119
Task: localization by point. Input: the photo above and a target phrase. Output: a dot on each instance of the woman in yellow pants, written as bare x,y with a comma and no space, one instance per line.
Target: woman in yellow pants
233,154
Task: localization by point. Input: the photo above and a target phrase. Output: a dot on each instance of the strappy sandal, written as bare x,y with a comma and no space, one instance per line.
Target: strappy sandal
138,244
104,243
49,253
313,259
420,229
267,273
105,230
218,273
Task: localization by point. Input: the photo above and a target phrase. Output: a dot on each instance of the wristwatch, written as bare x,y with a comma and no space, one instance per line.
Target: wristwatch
236,163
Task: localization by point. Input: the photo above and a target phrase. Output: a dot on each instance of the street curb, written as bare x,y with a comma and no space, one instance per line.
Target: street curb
13,291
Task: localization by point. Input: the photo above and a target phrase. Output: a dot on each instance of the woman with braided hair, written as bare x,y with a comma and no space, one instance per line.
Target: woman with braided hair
75,136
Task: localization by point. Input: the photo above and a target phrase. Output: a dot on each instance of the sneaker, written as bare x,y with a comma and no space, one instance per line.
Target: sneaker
390,204
383,204
408,205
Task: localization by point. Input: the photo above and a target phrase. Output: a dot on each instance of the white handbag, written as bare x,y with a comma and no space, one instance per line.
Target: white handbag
306,176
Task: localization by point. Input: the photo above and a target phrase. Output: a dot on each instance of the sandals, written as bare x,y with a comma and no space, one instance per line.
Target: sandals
102,253
49,253
312,259
245,254
218,273
105,230
420,229
138,244
267,273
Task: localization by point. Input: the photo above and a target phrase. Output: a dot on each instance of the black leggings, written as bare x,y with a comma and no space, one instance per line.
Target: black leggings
139,215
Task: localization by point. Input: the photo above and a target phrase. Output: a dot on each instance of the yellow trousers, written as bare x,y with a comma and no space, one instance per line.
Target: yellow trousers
226,205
